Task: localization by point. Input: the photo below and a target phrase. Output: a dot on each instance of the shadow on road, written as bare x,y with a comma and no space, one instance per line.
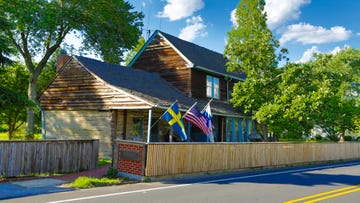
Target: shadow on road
311,175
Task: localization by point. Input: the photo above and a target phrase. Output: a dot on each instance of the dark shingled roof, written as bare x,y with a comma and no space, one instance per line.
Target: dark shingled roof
148,86
202,57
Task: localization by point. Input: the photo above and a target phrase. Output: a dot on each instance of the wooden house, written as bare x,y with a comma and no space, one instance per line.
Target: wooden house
93,99
200,74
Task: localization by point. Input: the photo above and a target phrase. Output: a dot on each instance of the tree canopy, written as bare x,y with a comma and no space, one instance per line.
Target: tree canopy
251,48
107,27
132,53
38,27
323,92
292,100
13,99
5,50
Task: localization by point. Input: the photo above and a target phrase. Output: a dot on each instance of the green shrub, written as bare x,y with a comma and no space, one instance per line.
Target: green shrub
147,180
111,173
318,137
348,138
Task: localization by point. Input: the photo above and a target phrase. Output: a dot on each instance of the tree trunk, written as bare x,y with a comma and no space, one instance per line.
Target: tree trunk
342,137
264,132
11,129
11,134
30,117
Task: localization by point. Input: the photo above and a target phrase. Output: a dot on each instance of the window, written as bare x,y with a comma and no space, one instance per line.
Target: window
212,87
137,128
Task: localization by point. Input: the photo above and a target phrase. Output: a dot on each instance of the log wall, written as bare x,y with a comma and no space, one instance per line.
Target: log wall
100,125
75,88
198,85
159,57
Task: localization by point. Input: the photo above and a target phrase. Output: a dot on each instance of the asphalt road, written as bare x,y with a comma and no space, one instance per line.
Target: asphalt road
338,182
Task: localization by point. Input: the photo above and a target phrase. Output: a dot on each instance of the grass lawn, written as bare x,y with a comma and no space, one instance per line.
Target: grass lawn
18,136
110,178
89,182
104,161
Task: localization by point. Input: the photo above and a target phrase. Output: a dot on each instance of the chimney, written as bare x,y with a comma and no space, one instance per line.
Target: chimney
61,60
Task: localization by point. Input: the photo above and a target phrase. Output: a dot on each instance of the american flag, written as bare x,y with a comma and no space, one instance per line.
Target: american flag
195,117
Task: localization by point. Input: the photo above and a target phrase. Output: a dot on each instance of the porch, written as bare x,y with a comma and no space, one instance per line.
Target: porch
146,125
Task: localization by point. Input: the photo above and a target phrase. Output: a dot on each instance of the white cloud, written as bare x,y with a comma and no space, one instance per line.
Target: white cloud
280,11
309,34
194,28
338,49
233,17
335,50
178,9
358,34
308,54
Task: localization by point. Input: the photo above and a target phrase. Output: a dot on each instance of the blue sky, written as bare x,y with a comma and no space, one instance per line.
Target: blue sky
303,27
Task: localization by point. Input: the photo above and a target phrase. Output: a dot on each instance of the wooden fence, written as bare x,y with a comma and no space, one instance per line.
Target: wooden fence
180,158
47,156
169,159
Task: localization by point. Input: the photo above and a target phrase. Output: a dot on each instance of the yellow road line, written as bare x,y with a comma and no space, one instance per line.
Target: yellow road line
328,193
334,195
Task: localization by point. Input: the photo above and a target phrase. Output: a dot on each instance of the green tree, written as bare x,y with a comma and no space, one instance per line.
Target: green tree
5,53
338,76
13,99
132,53
323,92
251,48
49,72
290,112
38,27
5,49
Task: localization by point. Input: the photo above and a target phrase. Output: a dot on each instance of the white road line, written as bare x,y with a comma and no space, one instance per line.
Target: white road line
204,182
121,193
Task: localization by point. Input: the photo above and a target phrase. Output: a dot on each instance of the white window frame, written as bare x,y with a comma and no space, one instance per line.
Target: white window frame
212,87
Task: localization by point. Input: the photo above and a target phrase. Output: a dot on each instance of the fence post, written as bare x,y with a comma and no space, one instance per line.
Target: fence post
115,155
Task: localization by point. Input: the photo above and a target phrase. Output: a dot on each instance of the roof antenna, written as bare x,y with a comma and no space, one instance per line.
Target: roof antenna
160,23
149,15
148,34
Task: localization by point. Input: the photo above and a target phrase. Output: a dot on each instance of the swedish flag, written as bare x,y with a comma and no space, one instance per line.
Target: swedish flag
173,117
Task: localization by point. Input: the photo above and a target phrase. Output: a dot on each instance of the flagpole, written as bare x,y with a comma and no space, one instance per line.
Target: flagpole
162,114
211,135
207,104
189,110
156,121
149,127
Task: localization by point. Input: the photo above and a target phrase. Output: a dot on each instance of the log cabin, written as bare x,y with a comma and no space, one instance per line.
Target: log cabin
199,73
89,98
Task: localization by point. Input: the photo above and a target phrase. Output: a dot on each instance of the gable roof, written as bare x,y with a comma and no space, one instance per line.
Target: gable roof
148,86
143,84
199,57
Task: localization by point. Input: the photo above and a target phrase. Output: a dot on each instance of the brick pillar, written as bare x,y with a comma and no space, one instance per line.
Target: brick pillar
131,158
